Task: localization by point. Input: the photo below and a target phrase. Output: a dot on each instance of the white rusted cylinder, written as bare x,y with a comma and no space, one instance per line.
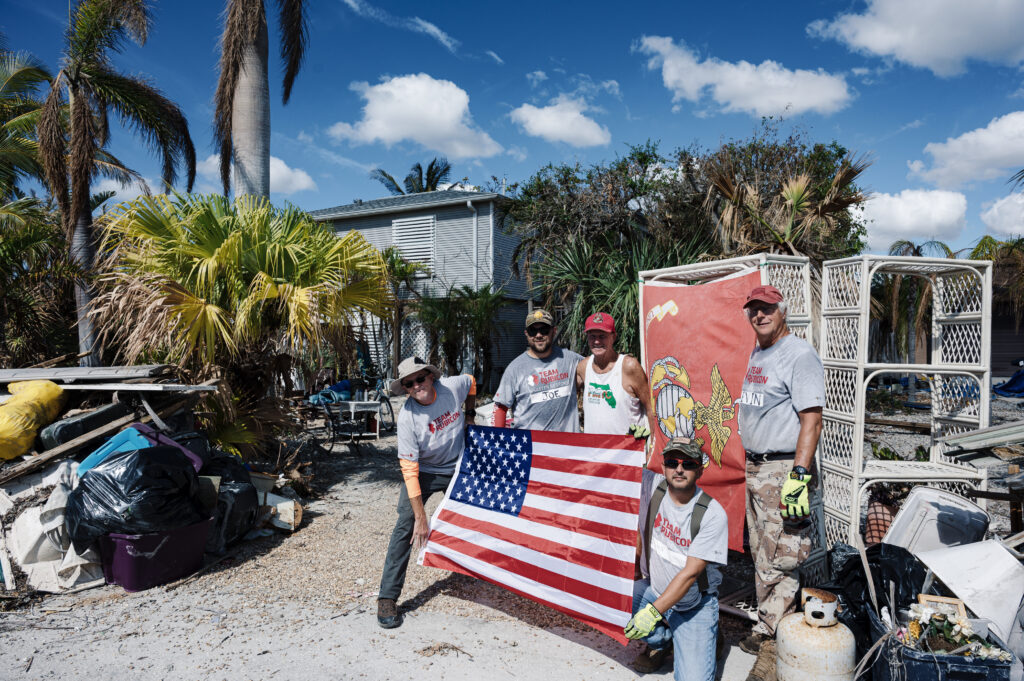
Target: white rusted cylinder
814,645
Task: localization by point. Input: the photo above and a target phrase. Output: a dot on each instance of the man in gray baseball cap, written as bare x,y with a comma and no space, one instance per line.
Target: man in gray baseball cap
540,384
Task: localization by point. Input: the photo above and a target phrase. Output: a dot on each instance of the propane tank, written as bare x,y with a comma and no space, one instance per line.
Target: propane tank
813,644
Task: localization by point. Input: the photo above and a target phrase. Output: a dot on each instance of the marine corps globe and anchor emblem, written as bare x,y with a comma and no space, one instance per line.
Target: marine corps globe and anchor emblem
681,415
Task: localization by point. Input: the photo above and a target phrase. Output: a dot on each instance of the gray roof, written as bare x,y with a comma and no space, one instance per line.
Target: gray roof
406,202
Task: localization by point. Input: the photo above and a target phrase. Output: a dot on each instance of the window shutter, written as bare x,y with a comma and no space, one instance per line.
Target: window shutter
414,237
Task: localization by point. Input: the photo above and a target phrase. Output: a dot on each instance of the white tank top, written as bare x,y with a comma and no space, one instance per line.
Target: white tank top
607,407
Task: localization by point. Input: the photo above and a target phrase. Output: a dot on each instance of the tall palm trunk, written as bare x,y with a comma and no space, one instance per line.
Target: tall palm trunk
83,254
250,120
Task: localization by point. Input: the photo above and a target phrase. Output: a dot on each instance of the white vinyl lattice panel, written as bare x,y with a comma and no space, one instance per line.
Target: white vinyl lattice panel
842,286
789,279
961,343
841,390
959,293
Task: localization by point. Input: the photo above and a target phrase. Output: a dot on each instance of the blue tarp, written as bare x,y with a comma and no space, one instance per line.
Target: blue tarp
1011,388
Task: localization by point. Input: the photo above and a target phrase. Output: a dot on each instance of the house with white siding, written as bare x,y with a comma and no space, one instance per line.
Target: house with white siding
457,234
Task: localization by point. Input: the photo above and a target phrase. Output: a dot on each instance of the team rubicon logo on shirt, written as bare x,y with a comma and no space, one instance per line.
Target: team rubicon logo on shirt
546,376
442,422
754,375
671,532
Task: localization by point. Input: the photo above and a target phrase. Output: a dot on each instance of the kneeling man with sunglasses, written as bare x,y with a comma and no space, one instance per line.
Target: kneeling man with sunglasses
431,435
684,540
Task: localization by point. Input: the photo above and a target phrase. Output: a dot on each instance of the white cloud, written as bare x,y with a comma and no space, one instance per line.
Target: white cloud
985,153
431,112
132,191
940,35
494,55
562,121
915,215
1006,216
612,88
518,153
283,179
414,24
763,89
536,78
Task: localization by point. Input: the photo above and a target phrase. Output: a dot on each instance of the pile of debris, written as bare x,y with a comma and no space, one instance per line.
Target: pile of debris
105,477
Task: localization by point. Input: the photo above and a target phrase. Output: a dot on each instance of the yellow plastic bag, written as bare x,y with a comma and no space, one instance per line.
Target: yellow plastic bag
33,405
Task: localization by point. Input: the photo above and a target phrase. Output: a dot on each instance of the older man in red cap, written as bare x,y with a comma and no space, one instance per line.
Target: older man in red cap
616,395
780,423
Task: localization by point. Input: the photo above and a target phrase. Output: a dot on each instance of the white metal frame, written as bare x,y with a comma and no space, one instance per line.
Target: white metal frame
792,276
959,375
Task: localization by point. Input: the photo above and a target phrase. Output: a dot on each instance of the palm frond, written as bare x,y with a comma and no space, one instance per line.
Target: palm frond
293,25
389,182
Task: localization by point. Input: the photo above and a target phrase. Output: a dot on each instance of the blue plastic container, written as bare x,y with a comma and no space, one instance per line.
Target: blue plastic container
125,441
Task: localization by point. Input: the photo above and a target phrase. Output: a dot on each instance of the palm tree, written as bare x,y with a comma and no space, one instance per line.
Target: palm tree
237,288
1008,269
909,308
798,220
242,101
92,89
438,172
22,76
482,326
400,274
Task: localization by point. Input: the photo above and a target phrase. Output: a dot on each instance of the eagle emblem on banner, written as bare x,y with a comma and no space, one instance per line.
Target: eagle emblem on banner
682,415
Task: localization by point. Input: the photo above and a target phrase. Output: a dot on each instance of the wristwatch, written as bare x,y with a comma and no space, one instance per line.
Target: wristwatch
798,472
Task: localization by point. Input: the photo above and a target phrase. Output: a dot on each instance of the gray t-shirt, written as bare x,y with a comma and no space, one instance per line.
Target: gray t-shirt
671,541
434,434
542,392
781,381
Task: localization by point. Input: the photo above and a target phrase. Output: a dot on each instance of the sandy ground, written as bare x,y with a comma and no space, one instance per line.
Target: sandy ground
303,606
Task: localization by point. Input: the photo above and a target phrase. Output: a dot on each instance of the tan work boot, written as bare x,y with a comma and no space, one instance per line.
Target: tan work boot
651,659
751,644
764,665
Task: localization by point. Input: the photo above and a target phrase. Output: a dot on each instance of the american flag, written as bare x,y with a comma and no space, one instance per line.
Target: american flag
550,516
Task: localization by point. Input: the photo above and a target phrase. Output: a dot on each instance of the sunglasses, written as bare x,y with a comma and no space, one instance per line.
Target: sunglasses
671,463
538,330
416,381
766,309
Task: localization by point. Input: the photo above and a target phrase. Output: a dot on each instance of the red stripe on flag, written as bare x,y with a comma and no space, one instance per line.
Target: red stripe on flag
606,500
594,594
595,469
612,630
589,440
589,559
617,535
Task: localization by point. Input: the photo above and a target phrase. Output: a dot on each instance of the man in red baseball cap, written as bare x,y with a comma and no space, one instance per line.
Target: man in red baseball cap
616,395
780,423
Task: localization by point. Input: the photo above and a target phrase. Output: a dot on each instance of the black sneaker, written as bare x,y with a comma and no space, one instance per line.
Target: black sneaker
752,643
388,616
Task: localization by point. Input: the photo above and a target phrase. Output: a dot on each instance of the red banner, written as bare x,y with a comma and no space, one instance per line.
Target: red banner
697,340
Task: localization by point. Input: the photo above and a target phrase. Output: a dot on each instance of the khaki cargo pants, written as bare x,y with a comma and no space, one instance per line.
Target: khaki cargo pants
777,549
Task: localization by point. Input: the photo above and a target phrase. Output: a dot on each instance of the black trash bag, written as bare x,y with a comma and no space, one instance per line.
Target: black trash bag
134,492
889,565
237,502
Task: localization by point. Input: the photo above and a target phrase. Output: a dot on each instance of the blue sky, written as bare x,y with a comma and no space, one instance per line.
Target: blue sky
936,98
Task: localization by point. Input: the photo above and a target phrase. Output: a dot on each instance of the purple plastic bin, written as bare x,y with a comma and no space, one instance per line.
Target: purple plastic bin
140,561
160,440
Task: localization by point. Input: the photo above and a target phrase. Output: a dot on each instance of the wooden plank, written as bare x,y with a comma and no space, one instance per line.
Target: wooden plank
57,360
5,562
70,447
906,425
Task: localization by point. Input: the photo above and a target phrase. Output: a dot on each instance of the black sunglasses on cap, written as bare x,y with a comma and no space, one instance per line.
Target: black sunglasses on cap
671,463
538,330
416,381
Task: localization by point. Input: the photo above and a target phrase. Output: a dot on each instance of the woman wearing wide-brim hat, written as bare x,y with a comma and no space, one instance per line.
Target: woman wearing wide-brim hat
431,435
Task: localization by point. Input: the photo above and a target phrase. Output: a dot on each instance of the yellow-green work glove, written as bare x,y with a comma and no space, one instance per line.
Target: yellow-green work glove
643,622
639,431
794,502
